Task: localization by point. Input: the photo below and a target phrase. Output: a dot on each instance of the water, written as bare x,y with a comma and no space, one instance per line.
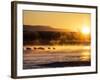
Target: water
34,56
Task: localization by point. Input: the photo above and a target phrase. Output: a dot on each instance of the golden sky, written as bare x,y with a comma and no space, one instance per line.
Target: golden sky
69,21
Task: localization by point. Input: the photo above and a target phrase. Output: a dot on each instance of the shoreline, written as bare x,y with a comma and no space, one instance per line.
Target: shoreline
58,64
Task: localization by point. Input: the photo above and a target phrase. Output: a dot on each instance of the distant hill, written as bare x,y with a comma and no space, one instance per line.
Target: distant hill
46,35
42,28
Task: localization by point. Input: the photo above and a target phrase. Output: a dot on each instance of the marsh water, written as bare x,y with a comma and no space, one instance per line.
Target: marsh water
43,56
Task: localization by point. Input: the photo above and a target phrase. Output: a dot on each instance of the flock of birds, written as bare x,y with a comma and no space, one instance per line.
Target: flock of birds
38,48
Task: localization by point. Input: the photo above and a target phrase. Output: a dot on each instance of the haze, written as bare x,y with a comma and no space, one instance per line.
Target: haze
69,21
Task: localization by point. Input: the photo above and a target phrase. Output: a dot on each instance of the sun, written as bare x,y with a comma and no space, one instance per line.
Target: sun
85,30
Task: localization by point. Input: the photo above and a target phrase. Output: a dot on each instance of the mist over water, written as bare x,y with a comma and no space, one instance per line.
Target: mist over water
35,56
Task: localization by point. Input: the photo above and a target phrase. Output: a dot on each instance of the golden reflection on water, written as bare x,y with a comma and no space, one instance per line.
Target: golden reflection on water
85,56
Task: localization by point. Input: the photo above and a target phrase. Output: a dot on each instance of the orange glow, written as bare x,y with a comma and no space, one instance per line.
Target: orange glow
60,20
85,30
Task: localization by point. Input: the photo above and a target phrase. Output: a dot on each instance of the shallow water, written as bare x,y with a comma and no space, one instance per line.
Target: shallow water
50,54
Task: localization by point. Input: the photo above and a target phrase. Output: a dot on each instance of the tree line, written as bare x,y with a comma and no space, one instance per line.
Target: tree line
54,38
